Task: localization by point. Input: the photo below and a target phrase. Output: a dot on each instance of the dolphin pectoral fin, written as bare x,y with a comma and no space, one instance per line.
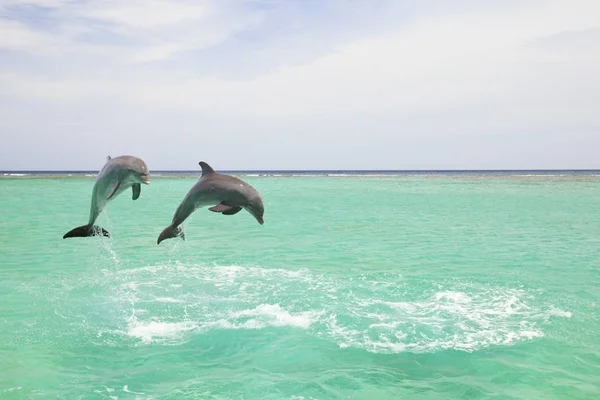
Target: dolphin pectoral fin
113,190
221,207
232,210
225,209
136,189
86,231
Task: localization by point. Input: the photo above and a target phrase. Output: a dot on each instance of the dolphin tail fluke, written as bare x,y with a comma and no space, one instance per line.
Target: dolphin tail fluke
86,231
170,232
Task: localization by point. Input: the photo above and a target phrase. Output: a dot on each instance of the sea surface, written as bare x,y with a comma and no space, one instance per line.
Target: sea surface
417,285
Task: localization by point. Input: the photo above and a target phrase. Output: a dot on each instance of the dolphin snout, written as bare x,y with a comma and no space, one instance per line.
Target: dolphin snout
145,179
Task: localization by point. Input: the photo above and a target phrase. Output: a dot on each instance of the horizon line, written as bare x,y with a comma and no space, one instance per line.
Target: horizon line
321,170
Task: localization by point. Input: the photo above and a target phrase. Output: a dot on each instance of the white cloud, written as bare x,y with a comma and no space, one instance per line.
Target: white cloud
145,14
15,35
463,70
131,31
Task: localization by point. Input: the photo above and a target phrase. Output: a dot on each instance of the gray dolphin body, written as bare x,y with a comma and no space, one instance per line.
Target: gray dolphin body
117,175
228,194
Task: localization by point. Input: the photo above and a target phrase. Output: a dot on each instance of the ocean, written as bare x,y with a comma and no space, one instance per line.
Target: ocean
360,285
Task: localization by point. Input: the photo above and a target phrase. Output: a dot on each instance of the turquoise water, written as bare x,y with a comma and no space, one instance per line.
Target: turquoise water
360,287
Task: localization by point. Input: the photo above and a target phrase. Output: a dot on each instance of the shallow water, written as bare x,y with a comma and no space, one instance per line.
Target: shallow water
356,287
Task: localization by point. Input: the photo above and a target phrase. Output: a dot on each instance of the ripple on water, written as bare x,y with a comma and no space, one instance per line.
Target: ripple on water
380,313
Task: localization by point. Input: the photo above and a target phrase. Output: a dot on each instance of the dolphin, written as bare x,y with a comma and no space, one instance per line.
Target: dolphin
117,175
229,193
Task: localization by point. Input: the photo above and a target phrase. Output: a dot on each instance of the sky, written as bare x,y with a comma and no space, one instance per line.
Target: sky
300,84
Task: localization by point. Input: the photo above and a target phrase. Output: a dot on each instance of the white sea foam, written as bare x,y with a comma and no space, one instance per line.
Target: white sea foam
557,312
541,175
379,313
12,389
456,297
360,175
156,330
267,315
448,320
167,300
126,390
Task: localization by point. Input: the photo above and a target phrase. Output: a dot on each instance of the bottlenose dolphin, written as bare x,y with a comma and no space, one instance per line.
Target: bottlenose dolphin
229,193
117,175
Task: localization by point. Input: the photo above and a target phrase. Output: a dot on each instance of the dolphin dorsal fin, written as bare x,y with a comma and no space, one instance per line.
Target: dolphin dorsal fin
108,158
206,169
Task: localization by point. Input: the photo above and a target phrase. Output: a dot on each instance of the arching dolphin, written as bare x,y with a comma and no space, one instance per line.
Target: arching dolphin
117,175
229,193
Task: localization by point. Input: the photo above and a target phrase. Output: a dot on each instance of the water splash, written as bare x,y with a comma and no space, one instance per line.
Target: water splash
381,313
